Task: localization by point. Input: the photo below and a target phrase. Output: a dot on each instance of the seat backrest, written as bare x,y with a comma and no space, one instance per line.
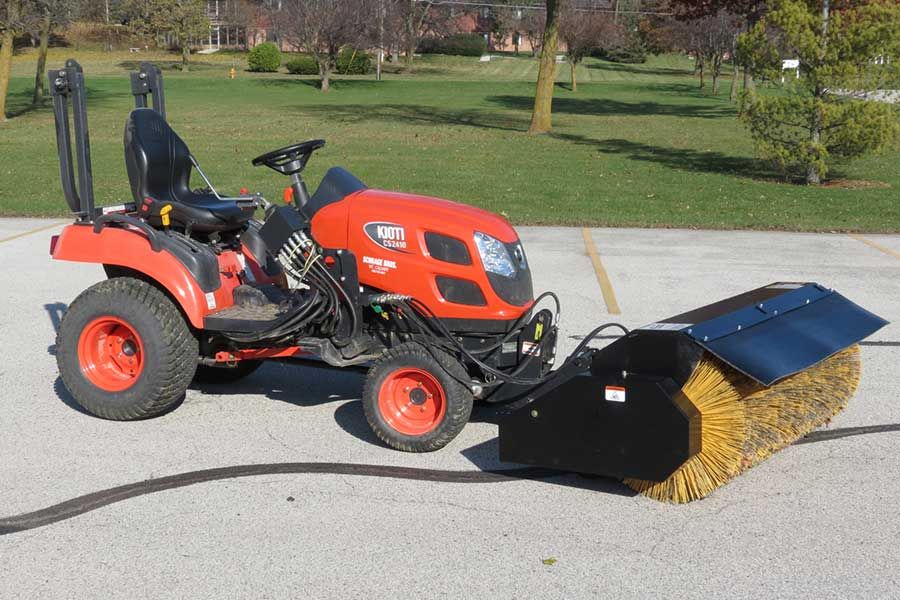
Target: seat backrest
158,161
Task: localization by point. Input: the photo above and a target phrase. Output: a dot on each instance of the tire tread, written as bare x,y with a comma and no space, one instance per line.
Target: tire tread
177,363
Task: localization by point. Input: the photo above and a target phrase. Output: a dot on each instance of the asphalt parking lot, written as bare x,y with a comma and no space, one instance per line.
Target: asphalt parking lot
818,519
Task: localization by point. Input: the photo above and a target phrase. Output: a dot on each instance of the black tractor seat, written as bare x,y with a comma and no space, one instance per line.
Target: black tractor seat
159,167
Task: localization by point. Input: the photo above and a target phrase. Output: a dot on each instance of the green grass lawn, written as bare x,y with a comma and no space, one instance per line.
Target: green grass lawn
637,145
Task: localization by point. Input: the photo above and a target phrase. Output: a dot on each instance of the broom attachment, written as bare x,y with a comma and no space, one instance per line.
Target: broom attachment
680,407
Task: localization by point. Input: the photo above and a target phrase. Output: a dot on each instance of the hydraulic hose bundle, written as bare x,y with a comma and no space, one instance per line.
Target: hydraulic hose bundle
315,308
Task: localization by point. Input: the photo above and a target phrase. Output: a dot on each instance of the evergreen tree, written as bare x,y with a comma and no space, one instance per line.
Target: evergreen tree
846,49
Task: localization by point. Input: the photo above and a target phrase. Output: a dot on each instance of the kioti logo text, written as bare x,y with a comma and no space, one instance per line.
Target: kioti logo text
387,235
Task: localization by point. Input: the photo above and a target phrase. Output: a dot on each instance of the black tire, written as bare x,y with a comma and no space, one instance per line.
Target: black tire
444,374
220,375
168,349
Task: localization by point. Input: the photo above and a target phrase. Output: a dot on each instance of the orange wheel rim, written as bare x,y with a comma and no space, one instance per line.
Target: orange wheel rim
412,401
111,354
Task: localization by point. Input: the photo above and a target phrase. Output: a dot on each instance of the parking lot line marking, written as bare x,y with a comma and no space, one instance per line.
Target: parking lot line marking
606,288
24,233
872,244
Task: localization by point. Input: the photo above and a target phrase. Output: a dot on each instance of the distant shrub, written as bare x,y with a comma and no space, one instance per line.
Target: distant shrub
302,65
460,44
631,55
265,58
354,62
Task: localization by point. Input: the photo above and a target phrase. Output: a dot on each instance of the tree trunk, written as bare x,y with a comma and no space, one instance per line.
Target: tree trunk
813,176
735,71
42,60
734,79
185,57
574,79
702,80
6,52
325,77
543,97
716,74
813,172
411,34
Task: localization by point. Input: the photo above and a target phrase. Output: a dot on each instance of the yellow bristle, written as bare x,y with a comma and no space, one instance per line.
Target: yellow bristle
723,429
780,415
743,423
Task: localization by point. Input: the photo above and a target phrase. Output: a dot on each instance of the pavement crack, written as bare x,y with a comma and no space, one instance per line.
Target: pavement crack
416,502
279,441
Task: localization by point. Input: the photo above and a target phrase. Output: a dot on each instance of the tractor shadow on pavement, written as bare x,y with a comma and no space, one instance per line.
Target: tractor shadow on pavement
304,386
55,311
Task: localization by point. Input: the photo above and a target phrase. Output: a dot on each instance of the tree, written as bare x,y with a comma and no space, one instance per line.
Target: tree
11,23
708,38
749,11
532,27
182,20
543,97
406,22
242,16
48,15
715,37
583,31
416,12
507,22
323,27
842,46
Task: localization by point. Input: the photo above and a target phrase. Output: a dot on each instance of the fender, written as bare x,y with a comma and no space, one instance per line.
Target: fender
131,248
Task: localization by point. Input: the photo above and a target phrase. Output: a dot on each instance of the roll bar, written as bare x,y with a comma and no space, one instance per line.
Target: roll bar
148,81
68,84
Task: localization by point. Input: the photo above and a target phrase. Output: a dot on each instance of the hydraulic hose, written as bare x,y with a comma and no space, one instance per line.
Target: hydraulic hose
435,325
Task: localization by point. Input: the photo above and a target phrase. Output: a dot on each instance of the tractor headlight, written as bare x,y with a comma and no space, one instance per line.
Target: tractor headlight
494,256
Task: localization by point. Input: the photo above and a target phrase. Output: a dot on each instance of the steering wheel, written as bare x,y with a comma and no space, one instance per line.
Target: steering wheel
290,159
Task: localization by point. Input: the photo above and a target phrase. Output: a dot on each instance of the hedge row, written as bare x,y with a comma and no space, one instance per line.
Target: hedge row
461,44
349,62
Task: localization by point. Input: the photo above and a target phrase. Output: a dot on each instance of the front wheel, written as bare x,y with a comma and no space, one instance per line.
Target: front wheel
415,399
124,350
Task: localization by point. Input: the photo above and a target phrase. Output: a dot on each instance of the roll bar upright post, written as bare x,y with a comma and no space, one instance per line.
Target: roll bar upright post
148,81
67,84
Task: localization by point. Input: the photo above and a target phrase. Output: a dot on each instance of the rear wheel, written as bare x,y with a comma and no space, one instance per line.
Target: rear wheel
415,399
124,350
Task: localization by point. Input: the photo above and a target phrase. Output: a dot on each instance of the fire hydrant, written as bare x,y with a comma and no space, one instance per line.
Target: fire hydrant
232,73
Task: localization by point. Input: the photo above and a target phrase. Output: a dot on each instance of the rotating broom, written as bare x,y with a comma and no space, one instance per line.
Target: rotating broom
681,406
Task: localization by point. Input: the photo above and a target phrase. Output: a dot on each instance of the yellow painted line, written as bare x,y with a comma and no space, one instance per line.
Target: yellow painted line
24,233
606,288
879,247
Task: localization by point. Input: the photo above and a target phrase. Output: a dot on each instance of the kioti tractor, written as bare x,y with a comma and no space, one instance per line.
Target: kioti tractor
433,297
